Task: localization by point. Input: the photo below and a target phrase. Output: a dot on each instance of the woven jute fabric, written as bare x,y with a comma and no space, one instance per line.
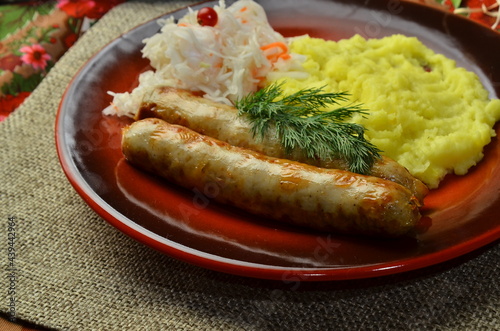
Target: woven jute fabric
73,271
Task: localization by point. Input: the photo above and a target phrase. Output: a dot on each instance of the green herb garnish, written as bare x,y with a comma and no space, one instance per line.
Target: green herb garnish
302,124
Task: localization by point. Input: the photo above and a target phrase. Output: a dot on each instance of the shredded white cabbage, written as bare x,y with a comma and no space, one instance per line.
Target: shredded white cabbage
226,61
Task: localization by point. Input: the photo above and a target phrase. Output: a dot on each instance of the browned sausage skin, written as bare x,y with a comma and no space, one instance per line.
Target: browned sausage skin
305,195
223,123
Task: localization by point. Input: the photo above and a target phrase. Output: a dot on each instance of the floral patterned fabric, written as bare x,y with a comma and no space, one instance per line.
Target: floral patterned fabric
33,36
485,12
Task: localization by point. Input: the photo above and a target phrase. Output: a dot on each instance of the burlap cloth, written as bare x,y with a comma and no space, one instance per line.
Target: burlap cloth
75,272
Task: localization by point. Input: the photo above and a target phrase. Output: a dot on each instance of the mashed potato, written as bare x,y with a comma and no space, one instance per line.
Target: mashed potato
432,117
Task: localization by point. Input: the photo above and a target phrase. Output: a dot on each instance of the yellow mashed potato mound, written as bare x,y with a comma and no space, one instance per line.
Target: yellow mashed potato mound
425,112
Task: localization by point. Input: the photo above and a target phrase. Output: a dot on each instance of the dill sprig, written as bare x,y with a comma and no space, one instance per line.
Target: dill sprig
302,124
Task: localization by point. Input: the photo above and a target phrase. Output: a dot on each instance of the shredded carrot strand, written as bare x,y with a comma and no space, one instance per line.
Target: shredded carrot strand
182,24
285,56
243,9
282,51
277,44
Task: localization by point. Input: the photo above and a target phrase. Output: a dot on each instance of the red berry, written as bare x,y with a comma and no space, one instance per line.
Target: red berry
207,16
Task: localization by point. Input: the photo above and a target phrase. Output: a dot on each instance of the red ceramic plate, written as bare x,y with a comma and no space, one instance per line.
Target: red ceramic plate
188,226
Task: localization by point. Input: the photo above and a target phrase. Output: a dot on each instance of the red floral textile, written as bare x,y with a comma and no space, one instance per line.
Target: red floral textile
483,11
35,55
33,36
87,8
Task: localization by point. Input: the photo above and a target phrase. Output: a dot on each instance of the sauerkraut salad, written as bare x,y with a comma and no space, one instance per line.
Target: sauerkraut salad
225,62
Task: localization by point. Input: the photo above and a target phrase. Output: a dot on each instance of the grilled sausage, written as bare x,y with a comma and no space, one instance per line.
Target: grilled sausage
223,123
322,199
